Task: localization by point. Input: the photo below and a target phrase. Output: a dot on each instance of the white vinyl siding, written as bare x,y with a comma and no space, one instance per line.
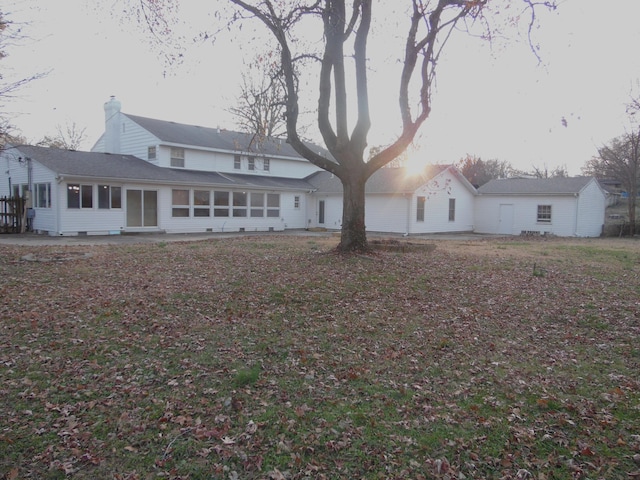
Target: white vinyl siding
591,211
571,215
448,206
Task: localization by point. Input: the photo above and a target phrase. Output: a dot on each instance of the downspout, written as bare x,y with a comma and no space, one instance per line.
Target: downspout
29,174
9,176
577,196
59,181
28,197
409,199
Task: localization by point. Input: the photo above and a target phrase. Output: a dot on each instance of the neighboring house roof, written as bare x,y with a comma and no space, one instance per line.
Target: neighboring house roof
611,186
535,186
383,181
78,164
219,139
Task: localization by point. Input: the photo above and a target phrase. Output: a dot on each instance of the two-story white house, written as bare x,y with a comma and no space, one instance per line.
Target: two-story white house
146,175
149,175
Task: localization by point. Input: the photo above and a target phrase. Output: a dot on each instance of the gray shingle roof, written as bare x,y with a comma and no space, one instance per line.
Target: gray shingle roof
93,164
383,181
128,167
218,139
534,186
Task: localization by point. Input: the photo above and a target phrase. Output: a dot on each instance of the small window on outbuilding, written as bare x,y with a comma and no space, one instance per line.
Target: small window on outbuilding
420,209
544,213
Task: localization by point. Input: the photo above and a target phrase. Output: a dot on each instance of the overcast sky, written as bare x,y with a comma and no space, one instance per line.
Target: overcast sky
495,104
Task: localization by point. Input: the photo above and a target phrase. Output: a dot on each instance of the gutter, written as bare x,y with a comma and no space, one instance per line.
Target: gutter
232,152
62,178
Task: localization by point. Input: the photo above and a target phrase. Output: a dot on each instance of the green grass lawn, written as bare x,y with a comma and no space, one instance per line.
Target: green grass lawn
275,358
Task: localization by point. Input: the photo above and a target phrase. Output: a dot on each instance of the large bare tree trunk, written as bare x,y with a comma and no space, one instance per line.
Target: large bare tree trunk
346,29
353,234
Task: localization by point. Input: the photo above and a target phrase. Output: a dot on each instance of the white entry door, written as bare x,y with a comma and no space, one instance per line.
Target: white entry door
505,220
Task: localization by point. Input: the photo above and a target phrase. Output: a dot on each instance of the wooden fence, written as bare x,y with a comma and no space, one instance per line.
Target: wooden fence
12,215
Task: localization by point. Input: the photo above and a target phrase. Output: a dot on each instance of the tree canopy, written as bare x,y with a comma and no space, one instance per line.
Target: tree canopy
260,107
620,161
69,137
346,44
479,171
9,86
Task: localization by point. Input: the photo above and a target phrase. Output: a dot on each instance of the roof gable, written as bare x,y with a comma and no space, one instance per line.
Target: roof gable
383,181
535,186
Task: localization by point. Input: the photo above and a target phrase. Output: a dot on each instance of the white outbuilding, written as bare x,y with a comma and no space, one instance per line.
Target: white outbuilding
566,207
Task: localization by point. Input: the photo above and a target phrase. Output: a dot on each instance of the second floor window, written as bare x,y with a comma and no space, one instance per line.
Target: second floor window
177,157
151,153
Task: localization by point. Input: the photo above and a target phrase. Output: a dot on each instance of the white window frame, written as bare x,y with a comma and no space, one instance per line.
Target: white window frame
201,203
109,190
177,157
239,204
421,203
544,214
180,209
273,205
81,192
257,205
42,198
221,203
